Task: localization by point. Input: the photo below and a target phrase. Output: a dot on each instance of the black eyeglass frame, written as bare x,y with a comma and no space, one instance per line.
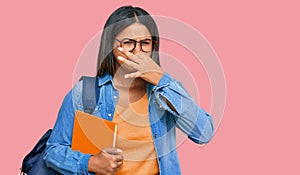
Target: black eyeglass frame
153,42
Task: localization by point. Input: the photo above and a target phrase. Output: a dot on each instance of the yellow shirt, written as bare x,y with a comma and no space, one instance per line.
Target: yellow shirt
135,139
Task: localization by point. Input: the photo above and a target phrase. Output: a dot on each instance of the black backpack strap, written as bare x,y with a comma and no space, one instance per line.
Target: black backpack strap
89,93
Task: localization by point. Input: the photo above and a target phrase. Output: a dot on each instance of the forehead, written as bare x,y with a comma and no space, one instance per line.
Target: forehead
135,30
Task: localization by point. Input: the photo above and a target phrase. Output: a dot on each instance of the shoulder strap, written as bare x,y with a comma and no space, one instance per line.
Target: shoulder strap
89,93
31,158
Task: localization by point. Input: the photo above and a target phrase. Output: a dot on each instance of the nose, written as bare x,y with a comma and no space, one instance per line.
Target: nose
137,50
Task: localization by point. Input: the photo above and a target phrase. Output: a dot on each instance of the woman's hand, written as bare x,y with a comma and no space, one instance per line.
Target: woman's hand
145,67
108,161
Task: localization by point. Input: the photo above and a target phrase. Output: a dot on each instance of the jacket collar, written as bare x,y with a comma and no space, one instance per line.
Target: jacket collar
106,77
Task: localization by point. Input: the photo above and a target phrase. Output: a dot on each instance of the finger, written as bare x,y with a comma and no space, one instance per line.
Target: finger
128,62
130,55
117,169
112,150
114,165
126,52
120,163
118,158
133,75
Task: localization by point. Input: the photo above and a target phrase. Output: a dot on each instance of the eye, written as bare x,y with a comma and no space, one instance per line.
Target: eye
127,42
146,42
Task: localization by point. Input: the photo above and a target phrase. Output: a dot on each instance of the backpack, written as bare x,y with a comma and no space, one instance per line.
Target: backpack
33,163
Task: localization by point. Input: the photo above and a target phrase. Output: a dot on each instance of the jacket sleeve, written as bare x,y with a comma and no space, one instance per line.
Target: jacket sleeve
59,154
189,117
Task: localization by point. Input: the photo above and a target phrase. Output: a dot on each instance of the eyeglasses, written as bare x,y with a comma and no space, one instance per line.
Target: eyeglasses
130,44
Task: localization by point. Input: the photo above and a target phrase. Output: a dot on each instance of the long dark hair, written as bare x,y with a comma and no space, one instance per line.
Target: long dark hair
117,21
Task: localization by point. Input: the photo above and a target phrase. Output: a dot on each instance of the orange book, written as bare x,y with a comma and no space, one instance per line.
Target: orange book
91,134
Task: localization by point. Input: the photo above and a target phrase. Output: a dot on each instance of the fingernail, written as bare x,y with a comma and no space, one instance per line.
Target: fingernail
120,58
120,48
119,151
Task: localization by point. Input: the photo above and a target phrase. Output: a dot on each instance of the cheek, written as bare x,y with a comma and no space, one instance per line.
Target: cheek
149,54
116,53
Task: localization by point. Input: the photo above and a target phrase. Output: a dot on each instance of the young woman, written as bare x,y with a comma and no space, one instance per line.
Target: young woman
146,102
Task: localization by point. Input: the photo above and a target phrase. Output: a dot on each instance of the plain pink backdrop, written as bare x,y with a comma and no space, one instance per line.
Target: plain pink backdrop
257,43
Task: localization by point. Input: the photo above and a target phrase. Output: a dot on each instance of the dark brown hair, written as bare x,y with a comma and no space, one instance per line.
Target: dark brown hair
118,21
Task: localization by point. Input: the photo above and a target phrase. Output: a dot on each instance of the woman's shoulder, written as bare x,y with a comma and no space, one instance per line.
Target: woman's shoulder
77,88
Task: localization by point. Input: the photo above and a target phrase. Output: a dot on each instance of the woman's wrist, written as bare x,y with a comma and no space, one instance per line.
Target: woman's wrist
153,77
91,164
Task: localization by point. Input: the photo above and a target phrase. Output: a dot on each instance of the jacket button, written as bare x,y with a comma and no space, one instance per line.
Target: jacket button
155,135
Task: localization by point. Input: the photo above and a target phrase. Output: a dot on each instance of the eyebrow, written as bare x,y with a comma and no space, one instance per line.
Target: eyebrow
135,39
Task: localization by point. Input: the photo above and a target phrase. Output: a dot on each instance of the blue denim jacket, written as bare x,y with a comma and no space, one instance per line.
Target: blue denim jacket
188,117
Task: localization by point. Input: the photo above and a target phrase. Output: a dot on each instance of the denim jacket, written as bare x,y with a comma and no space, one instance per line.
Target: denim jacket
187,116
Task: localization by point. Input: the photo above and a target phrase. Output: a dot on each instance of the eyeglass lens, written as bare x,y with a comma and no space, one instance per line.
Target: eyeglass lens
130,44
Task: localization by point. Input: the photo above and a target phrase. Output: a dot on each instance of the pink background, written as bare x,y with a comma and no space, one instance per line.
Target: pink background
257,43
